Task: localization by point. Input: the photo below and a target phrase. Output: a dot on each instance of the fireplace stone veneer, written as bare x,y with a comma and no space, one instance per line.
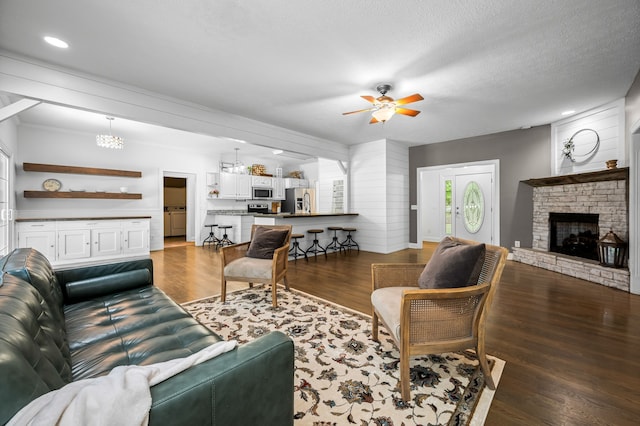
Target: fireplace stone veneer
606,198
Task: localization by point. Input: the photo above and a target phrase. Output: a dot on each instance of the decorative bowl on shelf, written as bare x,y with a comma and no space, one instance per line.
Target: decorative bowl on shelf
612,164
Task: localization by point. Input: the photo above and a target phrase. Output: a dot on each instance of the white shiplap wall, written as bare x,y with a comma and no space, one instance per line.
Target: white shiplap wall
328,171
608,121
380,194
397,197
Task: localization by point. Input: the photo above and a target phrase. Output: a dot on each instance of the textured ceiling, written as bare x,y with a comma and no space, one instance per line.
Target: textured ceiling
482,66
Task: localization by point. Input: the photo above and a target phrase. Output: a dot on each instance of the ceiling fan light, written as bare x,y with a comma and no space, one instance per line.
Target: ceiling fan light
384,113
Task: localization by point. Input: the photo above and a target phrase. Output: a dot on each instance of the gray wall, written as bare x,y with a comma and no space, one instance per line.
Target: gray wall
523,154
632,109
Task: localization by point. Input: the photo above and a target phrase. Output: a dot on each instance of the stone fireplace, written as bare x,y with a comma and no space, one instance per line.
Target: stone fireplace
570,213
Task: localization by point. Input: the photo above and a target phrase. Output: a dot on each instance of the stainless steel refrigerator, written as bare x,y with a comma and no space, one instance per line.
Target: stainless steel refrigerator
299,201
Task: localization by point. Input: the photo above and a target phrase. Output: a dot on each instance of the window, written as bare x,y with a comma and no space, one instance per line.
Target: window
448,207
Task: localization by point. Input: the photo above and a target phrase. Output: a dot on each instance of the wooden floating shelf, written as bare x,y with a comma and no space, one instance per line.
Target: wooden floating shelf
82,194
52,168
621,173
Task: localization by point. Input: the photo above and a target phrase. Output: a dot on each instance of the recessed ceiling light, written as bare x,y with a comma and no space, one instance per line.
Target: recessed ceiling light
568,112
54,41
277,151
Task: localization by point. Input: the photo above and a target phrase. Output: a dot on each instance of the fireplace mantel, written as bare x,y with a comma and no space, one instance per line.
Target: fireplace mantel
621,173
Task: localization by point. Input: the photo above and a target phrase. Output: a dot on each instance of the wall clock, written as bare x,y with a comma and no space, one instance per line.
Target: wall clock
51,185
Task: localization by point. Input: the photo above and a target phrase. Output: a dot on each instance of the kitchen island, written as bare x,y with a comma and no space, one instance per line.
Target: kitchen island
241,220
302,222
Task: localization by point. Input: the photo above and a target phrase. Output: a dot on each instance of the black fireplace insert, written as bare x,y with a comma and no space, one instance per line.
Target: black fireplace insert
574,234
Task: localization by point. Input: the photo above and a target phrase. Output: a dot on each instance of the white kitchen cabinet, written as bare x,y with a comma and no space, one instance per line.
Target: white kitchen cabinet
135,237
235,186
244,187
278,189
105,242
41,236
74,242
262,181
296,183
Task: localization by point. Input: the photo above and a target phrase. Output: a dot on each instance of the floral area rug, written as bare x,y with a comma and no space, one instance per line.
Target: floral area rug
343,377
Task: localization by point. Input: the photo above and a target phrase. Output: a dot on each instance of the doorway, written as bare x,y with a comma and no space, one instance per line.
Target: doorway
178,209
460,200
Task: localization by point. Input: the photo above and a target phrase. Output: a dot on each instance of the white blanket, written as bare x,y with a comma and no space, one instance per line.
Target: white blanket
122,397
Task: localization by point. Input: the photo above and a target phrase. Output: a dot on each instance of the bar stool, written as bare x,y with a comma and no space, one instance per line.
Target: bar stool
349,242
211,239
316,248
295,250
225,241
335,244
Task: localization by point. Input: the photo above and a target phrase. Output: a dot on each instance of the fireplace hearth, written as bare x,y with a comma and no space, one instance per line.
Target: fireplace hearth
574,234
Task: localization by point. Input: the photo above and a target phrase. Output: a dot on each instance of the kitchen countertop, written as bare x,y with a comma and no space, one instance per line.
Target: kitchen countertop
48,219
297,215
278,215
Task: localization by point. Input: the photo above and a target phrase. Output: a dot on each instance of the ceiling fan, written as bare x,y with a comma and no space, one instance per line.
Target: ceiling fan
384,107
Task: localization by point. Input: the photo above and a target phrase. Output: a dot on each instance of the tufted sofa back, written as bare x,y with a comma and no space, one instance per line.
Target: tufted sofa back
34,353
33,267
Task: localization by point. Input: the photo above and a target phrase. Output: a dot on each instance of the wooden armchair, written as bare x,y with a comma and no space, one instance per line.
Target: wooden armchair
236,266
429,321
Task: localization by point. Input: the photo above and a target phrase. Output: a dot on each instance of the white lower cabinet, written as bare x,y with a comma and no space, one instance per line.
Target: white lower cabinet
39,235
106,242
135,237
68,242
74,244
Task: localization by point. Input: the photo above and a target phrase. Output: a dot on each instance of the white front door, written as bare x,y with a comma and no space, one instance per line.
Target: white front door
474,201
461,200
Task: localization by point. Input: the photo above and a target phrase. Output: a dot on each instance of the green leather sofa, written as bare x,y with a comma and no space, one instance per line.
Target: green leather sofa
61,326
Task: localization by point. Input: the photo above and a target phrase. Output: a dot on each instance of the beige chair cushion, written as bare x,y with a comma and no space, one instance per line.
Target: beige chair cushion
249,267
387,301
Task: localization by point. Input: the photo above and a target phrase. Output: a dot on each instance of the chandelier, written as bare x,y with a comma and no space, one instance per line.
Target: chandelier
238,166
110,141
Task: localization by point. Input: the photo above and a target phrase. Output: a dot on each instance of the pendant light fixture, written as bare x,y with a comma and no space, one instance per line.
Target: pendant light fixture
110,141
238,166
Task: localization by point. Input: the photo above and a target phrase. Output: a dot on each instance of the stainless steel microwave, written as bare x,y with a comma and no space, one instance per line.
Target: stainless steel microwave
262,193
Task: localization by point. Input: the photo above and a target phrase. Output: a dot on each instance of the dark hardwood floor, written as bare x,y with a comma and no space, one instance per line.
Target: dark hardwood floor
572,348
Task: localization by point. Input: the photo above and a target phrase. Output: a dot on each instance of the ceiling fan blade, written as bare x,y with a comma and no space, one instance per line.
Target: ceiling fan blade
407,111
409,99
373,120
355,112
368,98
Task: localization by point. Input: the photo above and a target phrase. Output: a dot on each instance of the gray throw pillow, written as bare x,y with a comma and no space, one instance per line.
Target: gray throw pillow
265,241
453,265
